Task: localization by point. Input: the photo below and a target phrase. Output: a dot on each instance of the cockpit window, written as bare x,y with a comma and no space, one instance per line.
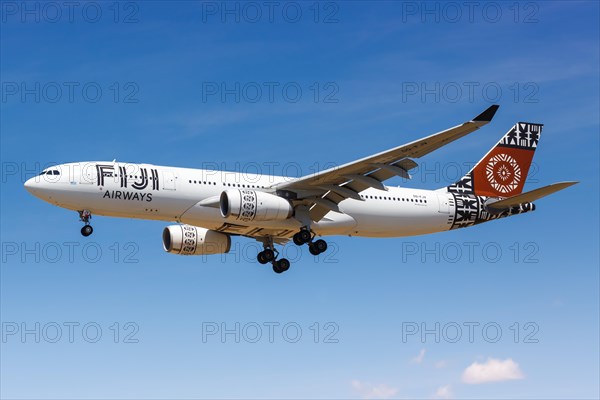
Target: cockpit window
51,172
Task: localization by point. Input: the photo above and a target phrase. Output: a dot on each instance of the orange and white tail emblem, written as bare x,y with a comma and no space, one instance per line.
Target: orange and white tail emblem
503,170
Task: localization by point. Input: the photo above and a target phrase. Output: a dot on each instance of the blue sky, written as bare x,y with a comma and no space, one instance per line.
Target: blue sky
175,83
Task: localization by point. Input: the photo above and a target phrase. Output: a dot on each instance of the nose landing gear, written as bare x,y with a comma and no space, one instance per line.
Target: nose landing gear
87,230
85,217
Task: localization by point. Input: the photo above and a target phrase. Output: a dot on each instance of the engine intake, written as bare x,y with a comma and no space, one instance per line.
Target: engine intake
252,205
190,240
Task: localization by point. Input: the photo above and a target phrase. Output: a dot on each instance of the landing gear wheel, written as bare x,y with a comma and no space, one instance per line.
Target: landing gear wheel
87,230
313,249
261,258
269,255
281,266
320,245
317,247
297,239
304,235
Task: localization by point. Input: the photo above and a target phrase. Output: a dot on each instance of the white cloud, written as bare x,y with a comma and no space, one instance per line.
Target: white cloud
493,370
369,391
419,359
443,392
440,364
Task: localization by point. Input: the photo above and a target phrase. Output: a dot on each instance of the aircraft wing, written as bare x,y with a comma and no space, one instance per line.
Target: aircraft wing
325,189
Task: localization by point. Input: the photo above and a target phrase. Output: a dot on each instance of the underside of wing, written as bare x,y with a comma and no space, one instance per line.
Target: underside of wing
279,235
323,191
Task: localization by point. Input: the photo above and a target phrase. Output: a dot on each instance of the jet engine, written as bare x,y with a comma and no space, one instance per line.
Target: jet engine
251,205
190,240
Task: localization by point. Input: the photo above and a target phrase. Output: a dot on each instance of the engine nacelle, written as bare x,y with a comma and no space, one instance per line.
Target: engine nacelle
251,205
190,240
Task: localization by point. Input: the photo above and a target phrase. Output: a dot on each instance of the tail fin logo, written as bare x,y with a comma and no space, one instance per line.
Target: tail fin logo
503,170
503,173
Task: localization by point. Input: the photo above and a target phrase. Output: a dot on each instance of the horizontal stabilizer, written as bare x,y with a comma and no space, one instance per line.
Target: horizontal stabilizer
499,205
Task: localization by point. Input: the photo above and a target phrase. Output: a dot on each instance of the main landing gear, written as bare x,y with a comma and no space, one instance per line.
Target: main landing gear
85,217
305,236
270,254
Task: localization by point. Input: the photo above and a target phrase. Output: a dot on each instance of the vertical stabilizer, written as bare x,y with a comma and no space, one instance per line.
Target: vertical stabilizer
503,170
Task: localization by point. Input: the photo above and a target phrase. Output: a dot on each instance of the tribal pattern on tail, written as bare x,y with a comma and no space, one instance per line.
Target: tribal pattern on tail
470,210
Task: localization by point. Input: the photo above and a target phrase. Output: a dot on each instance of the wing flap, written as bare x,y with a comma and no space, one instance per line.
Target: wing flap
317,212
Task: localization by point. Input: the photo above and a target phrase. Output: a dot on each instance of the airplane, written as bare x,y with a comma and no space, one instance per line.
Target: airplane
211,206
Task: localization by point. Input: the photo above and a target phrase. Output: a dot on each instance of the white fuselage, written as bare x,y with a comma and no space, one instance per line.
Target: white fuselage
190,196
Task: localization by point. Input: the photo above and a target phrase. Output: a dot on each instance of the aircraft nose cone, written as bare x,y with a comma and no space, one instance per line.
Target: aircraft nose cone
38,188
30,185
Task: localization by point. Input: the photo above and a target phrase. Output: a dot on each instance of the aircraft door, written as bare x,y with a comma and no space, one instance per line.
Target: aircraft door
87,173
168,179
444,204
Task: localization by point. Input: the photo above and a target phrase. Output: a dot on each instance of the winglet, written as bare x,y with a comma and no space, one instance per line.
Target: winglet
488,114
